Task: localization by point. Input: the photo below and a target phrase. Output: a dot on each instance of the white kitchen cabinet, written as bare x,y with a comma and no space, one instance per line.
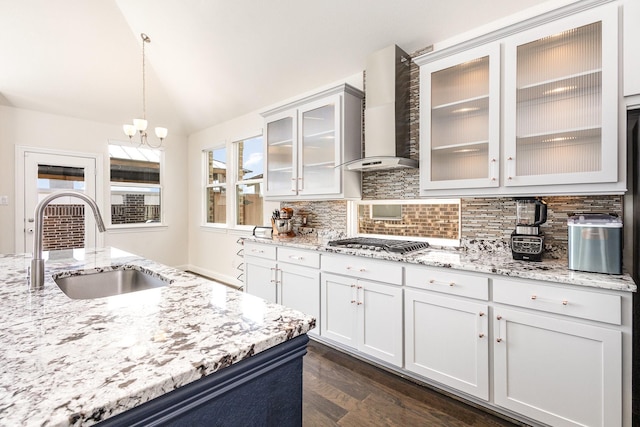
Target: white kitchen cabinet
290,277
306,142
460,120
260,278
447,340
561,101
558,82
446,321
363,315
558,354
557,371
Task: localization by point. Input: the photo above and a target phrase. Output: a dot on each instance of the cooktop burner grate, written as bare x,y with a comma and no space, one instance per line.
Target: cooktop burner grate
389,245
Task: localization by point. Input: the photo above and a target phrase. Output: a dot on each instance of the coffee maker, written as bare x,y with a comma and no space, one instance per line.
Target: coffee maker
527,241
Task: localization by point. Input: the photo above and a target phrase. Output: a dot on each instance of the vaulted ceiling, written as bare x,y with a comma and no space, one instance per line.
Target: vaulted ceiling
209,60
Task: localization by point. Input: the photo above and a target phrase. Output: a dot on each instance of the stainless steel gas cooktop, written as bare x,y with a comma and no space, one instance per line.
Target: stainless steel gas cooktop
389,245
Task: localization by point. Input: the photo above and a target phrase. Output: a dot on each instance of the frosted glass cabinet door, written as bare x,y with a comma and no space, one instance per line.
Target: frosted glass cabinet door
281,150
320,147
460,120
561,87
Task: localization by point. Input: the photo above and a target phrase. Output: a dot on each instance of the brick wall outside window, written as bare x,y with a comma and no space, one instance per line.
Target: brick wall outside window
63,227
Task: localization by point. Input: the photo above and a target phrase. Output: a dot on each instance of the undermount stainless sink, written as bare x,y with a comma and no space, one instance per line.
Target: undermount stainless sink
107,283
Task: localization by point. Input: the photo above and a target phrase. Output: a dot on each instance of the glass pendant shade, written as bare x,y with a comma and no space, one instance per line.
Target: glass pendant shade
129,130
161,132
140,124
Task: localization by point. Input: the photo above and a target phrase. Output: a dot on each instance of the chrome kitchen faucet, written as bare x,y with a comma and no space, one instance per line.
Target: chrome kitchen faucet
36,273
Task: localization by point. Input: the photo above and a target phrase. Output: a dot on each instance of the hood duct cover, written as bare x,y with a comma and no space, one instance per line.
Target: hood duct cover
386,117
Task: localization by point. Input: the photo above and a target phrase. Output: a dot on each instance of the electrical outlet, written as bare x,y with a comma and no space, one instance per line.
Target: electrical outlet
4,200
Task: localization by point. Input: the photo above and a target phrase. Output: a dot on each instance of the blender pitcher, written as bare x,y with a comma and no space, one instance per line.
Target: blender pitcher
530,214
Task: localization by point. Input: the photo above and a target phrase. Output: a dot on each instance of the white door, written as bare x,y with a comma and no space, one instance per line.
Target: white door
559,372
339,314
45,173
447,340
260,278
380,321
300,289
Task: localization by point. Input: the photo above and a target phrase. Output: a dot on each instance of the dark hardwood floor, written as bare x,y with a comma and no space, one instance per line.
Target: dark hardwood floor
339,390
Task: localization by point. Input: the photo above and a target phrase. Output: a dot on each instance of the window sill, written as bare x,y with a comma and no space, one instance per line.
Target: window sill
124,228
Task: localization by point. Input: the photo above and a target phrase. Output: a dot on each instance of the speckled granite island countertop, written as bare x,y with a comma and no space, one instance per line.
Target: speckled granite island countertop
76,362
484,258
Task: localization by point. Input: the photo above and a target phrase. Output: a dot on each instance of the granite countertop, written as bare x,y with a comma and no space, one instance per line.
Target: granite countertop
484,258
76,362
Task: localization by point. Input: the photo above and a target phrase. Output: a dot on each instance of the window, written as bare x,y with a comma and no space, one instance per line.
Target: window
434,220
249,181
216,188
243,201
135,185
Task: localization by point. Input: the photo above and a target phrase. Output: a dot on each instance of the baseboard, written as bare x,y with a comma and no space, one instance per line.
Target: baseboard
223,278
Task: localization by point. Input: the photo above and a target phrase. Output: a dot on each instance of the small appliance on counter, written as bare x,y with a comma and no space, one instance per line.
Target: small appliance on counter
282,222
527,241
595,243
262,232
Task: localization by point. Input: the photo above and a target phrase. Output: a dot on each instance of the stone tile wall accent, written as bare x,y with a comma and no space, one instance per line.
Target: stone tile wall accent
486,223
63,227
494,219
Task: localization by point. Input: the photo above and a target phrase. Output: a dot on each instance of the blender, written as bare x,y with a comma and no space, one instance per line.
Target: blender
527,241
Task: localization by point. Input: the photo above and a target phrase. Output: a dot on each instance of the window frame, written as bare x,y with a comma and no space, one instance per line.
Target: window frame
231,184
237,182
159,224
207,185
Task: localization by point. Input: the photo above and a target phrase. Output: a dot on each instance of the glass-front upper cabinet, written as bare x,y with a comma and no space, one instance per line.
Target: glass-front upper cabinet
306,143
320,144
561,109
460,120
281,151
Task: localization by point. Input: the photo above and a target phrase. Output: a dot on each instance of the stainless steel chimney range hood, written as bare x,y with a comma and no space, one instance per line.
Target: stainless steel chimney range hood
386,116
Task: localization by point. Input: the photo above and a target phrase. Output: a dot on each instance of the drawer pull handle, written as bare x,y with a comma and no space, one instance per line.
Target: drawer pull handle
362,270
297,258
434,281
259,251
564,301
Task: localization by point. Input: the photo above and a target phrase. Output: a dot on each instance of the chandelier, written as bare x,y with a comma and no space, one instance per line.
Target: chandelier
140,125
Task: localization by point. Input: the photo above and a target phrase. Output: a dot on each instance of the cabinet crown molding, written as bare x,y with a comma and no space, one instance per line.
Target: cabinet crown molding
552,15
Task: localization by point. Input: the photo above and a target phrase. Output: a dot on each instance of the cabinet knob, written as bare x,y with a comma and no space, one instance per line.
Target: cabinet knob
481,314
481,336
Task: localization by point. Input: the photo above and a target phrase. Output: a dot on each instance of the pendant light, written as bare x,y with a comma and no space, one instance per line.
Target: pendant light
140,125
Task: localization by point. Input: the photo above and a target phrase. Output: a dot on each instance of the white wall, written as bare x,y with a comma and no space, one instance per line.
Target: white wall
212,251
19,127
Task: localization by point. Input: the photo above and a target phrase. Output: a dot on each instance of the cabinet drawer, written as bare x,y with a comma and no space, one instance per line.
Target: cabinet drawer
370,269
448,282
262,251
299,257
554,299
